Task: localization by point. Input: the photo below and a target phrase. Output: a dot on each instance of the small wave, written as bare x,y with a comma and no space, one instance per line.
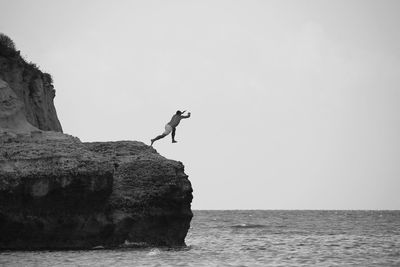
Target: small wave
245,226
154,252
128,244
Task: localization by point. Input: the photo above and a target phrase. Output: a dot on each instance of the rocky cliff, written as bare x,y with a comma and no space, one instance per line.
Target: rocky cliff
59,193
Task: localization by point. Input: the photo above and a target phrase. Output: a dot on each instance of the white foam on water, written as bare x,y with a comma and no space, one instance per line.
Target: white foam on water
154,252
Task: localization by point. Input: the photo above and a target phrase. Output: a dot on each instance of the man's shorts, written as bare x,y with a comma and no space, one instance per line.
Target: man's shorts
168,129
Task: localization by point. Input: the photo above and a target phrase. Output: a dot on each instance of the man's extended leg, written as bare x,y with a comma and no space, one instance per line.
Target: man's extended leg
158,138
168,129
173,135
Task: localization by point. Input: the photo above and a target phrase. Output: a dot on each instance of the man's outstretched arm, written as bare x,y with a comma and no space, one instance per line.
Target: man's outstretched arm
185,117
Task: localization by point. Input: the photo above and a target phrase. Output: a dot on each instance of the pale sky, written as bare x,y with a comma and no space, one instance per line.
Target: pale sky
295,104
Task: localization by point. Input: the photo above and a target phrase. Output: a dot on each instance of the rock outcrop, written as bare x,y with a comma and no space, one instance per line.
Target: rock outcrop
151,196
34,88
59,193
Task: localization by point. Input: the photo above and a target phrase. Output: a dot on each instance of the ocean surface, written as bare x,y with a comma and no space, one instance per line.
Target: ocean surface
254,238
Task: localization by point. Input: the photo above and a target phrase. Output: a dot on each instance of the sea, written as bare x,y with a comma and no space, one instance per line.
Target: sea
253,238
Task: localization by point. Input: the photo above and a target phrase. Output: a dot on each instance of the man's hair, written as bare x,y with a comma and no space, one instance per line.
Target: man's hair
178,112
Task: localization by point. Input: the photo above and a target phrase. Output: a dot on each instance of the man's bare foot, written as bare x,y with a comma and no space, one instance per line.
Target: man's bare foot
173,141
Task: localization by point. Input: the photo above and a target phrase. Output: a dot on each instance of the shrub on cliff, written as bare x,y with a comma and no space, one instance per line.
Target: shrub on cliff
6,41
7,46
9,50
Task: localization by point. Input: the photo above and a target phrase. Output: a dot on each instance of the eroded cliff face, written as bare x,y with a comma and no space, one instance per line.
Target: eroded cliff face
33,87
12,115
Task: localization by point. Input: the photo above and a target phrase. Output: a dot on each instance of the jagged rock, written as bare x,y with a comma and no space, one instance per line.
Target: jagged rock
151,196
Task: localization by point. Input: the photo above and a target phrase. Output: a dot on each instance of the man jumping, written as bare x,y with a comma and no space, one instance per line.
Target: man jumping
171,126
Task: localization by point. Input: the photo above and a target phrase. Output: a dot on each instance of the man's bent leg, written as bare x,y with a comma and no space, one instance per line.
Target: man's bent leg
173,135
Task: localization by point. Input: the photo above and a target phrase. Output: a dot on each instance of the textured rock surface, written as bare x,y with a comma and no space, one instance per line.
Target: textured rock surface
50,187
11,111
33,87
151,196
59,193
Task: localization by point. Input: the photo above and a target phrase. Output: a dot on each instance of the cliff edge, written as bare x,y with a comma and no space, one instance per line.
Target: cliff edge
57,192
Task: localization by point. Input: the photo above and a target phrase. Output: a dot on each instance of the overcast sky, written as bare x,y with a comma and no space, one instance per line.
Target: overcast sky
295,104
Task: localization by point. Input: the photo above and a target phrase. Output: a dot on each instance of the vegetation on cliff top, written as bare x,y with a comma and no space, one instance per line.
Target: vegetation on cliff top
9,51
7,42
